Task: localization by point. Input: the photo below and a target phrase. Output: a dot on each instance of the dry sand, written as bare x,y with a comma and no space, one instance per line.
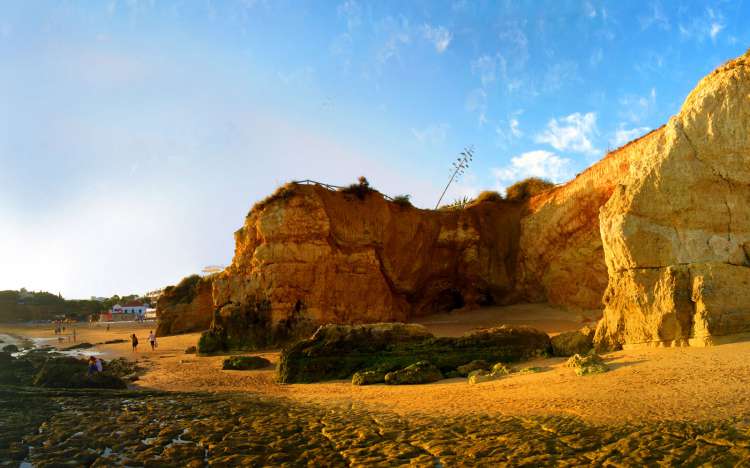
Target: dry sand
644,384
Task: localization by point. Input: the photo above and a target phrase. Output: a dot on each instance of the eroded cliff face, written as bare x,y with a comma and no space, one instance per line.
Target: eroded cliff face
657,232
676,230
309,256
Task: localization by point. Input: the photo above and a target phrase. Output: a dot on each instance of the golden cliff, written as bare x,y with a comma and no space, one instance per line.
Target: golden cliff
308,256
656,233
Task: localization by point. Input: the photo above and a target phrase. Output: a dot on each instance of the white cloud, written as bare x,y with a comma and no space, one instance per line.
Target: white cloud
351,12
538,163
476,102
515,128
624,135
558,74
397,34
709,25
571,133
488,67
635,108
655,18
439,36
432,134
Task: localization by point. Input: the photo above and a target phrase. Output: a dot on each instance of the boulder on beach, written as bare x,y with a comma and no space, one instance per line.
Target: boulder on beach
11,348
498,371
467,369
78,346
68,372
338,351
573,342
418,373
587,364
368,377
191,350
245,363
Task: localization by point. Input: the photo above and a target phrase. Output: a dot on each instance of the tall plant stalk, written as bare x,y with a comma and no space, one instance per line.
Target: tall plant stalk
459,167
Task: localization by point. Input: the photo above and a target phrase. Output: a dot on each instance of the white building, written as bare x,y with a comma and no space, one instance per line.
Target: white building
135,308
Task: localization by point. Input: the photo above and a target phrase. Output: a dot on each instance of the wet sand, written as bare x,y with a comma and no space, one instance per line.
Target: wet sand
657,384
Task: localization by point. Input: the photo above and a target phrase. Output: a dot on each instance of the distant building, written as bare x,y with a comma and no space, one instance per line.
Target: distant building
150,314
133,310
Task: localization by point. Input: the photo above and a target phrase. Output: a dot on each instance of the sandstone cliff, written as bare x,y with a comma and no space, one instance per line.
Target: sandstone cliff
186,307
657,232
309,255
676,229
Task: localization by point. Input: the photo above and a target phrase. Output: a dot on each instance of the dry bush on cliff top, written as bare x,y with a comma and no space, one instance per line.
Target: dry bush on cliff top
282,193
486,196
402,200
361,189
527,188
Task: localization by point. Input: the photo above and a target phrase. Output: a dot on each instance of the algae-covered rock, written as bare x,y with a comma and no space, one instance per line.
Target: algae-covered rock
368,377
338,351
245,363
529,370
79,346
573,342
498,371
418,373
68,372
11,348
466,369
587,364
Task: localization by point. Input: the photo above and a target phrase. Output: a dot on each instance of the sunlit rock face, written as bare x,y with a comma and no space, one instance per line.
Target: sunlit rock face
309,256
657,234
676,229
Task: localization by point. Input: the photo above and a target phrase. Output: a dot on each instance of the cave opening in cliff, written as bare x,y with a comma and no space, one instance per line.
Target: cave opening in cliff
447,300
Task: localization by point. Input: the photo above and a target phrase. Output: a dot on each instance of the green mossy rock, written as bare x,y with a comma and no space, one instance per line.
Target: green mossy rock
587,364
498,371
245,363
466,369
68,372
11,348
339,351
421,372
369,377
574,342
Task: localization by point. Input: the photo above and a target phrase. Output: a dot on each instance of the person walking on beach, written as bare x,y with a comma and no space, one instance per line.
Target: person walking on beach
99,365
152,340
134,342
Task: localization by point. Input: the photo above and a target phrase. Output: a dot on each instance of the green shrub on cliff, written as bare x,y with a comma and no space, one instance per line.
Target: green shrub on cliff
185,291
527,188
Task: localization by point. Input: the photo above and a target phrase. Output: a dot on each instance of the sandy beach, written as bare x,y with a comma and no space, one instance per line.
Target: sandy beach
643,385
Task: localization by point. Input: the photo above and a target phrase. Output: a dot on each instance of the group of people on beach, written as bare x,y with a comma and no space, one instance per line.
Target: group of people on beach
151,340
95,365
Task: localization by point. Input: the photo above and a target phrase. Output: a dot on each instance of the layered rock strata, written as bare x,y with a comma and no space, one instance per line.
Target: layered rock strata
676,231
309,256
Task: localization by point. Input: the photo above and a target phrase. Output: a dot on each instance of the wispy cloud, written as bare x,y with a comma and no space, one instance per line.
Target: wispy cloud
656,18
439,36
709,25
488,67
623,134
350,11
476,102
432,134
571,133
538,163
635,108
509,130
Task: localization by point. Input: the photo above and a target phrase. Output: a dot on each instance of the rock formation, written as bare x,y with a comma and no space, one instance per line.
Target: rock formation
187,307
656,233
309,256
676,230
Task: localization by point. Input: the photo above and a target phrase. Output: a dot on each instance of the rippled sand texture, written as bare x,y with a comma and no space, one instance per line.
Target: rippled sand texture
182,429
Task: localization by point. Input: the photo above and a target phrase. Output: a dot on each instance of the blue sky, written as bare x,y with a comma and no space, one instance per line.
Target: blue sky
135,135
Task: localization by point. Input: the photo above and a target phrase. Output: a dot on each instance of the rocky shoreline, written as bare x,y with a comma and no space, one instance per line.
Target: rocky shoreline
47,427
